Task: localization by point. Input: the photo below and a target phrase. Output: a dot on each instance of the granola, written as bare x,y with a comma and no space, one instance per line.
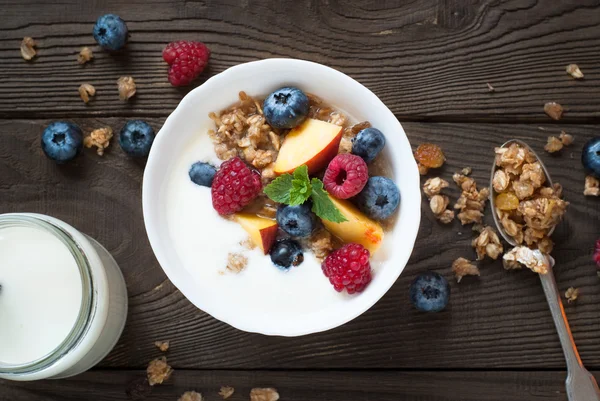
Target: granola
592,186
572,294
191,396
126,87
566,139
100,138
534,259
574,71
463,267
28,51
487,244
553,110
236,262
433,186
264,394
226,391
322,244
554,145
163,346
471,202
85,55
85,91
158,371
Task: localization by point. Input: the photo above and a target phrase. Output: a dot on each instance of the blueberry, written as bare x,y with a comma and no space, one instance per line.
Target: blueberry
62,141
286,107
297,221
590,156
368,143
110,31
379,198
202,174
136,138
286,253
430,292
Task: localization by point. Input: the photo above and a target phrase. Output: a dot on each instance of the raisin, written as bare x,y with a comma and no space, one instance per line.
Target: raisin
507,201
430,155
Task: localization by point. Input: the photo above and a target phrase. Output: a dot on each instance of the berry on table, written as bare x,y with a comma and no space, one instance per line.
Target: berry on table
346,176
597,256
368,143
286,107
590,156
349,268
298,221
111,32
286,253
234,186
136,138
186,59
62,141
202,174
430,292
379,198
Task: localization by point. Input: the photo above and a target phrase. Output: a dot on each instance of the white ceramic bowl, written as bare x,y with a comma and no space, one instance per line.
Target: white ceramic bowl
259,78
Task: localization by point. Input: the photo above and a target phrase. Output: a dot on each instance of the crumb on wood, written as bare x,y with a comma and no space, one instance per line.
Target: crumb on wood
163,346
462,267
553,110
574,71
28,51
554,145
487,244
566,139
572,294
226,391
264,394
191,396
85,55
85,91
127,87
100,138
158,371
592,186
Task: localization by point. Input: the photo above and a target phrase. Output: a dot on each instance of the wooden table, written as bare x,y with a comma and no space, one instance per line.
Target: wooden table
429,61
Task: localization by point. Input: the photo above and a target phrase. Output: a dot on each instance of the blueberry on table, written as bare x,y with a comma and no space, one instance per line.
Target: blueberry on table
111,32
368,143
286,253
590,156
136,138
202,174
297,221
62,141
286,107
379,198
430,292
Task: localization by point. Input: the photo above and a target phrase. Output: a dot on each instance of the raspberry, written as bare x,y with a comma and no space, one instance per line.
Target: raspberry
597,255
346,176
349,268
234,186
186,60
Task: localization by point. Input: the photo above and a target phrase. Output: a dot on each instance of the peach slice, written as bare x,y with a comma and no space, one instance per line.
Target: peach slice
262,231
313,143
358,229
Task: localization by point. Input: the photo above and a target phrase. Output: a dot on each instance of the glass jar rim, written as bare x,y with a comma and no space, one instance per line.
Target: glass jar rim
81,324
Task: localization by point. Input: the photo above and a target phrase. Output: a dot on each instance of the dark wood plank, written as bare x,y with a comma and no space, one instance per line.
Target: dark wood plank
427,60
497,321
300,386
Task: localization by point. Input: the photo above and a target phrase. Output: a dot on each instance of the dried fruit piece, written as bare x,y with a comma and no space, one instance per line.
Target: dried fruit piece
553,110
430,155
264,394
572,294
533,259
487,243
554,145
127,87
592,186
433,186
191,396
85,91
566,139
226,391
100,138
85,55
574,71
462,267
163,346
158,371
28,51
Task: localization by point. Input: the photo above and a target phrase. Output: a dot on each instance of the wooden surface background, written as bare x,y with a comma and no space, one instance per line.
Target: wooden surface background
429,61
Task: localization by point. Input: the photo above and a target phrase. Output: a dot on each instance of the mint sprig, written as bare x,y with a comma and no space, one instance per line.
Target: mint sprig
296,189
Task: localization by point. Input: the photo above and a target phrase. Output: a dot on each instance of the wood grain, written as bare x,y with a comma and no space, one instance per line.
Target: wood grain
102,385
427,60
500,320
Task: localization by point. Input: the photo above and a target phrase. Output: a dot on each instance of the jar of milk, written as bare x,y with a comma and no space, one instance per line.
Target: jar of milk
63,300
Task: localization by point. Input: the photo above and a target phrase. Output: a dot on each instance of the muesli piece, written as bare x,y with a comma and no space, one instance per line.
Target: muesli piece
572,294
264,394
462,267
158,371
236,262
566,139
226,391
592,186
28,51
163,346
99,138
554,145
487,244
191,396
433,186
534,259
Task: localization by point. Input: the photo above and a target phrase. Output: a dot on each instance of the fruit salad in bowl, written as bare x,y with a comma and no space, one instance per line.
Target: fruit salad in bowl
282,197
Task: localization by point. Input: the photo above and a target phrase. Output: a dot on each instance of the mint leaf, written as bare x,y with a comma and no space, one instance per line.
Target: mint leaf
322,205
301,173
300,192
279,189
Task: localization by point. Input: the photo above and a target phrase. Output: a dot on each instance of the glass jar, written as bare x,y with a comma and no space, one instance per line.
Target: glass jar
62,295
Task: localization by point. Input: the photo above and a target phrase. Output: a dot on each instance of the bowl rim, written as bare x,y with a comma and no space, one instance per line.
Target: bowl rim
409,233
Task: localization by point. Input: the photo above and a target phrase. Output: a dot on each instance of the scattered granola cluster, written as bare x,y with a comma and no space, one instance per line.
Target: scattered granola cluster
556,144
574,71
592,186
521,256
572,294
163,346
158,371
553,110
226,391
191,396
85,91
264,394
527,209
471,202
487,244
100,138
85,55
236,262
28,51
126,87
462,267
437,202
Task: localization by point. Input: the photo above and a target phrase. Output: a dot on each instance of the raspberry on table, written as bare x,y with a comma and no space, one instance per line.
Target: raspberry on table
234,186
186,60
349,268
597,255
346,176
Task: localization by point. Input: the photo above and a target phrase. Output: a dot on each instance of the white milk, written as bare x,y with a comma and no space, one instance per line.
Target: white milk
40,296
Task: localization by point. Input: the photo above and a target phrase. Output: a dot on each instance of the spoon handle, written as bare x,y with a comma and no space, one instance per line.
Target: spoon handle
581,385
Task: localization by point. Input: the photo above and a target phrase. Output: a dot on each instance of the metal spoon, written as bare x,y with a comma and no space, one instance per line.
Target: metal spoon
581,385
